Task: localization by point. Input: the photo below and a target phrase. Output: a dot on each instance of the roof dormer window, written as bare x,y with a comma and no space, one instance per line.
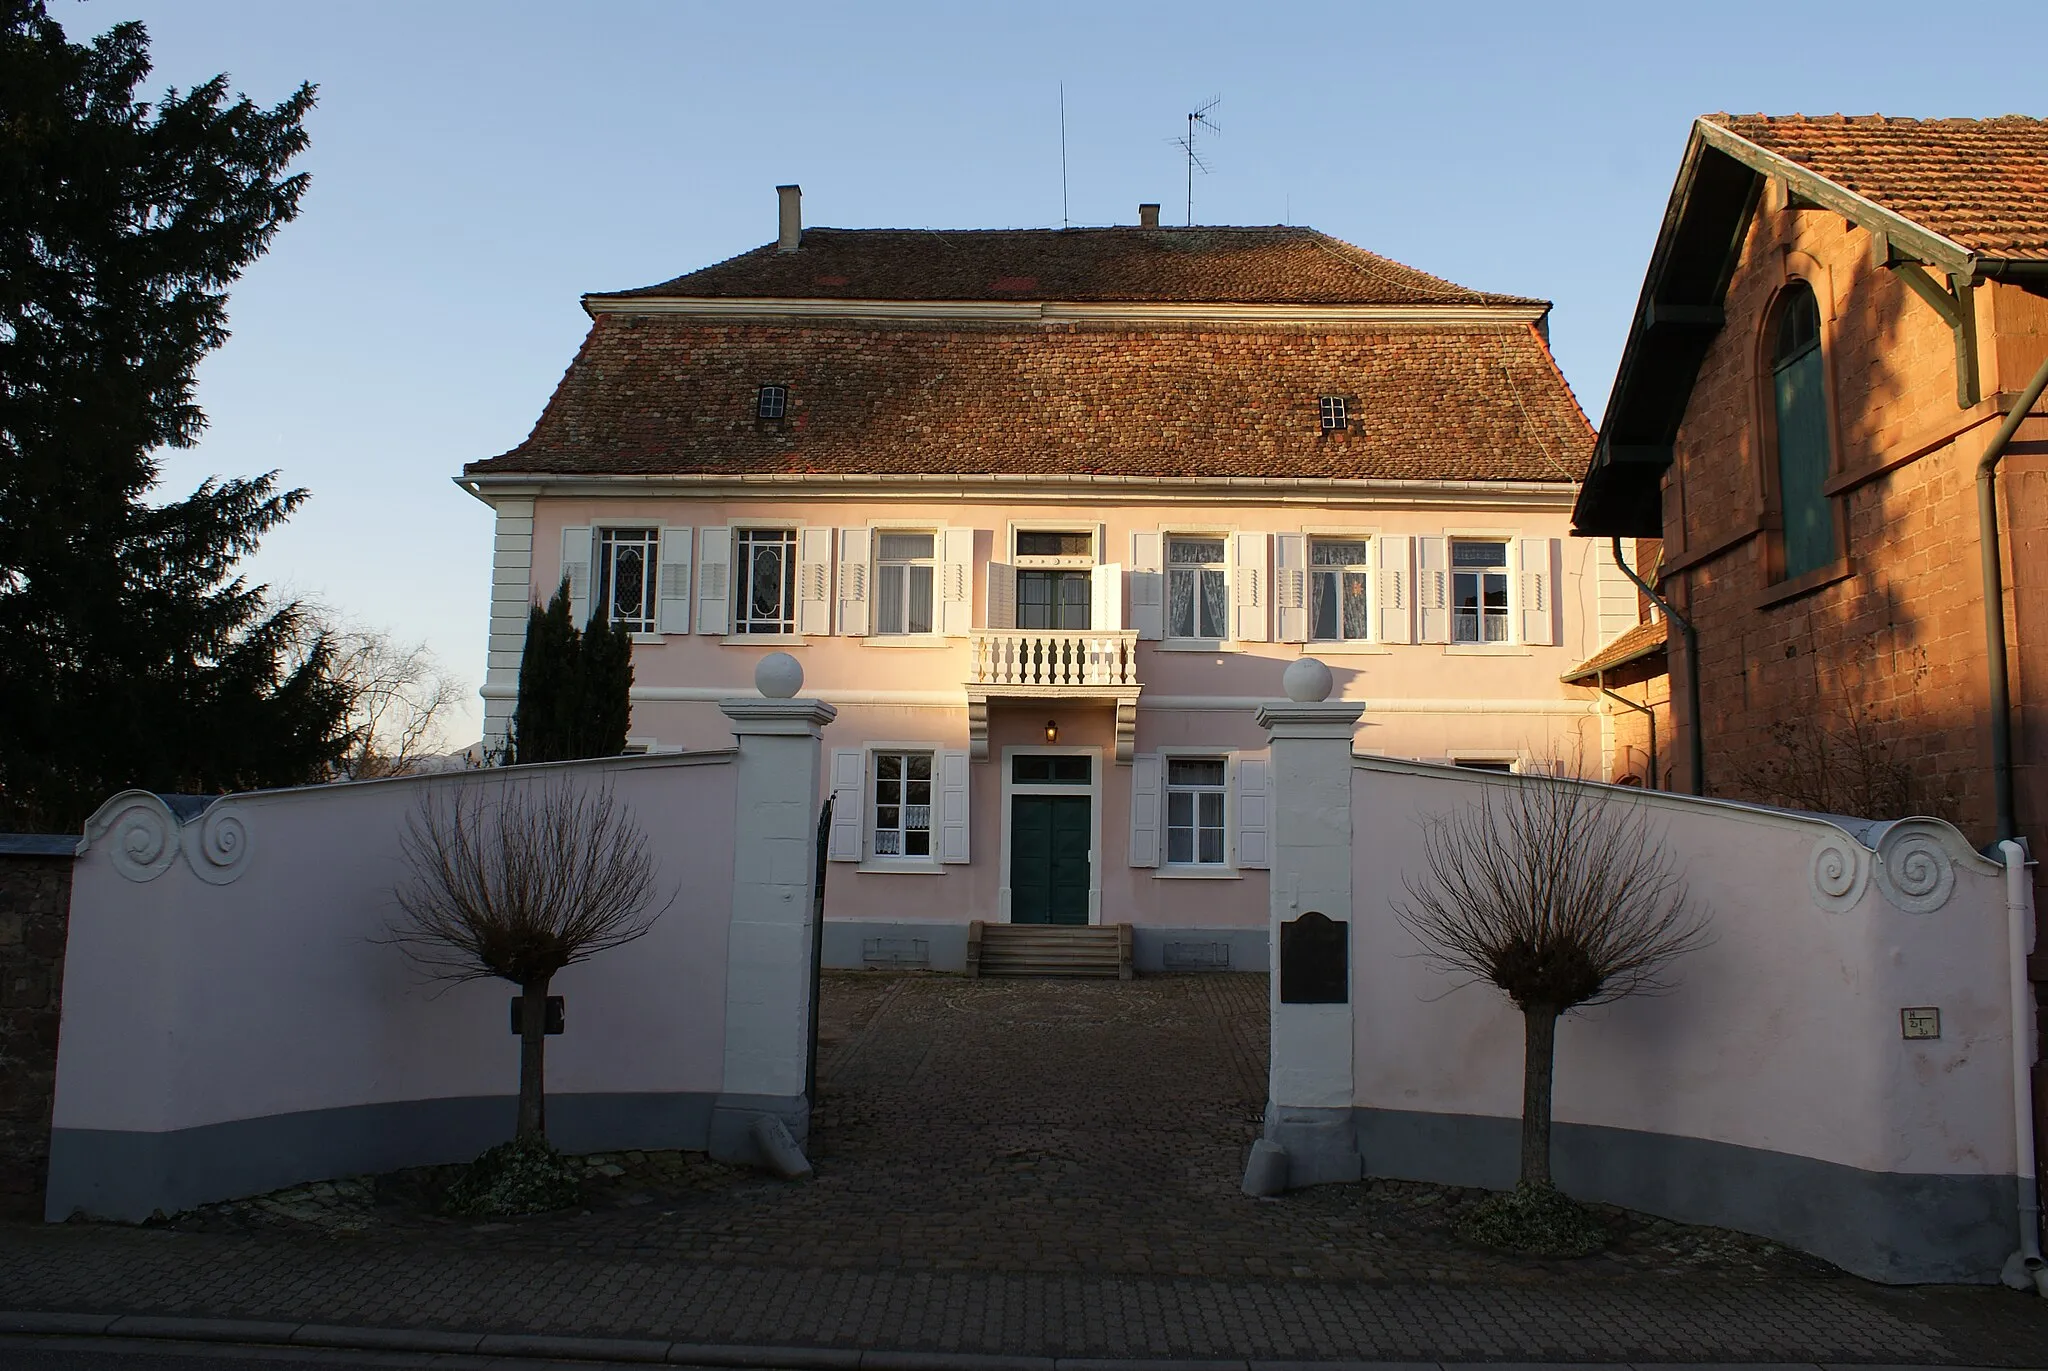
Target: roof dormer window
1332,408
772,402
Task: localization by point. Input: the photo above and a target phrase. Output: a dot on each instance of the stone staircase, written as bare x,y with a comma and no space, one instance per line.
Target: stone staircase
1049,950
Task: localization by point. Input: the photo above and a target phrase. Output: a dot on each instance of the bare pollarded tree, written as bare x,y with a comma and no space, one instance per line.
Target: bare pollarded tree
516,881
1561,895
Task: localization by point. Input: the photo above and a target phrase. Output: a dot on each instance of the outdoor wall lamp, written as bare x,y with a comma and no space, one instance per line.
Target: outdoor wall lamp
1052,730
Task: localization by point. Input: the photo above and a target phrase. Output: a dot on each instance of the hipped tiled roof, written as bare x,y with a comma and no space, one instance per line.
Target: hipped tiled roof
1981,183
1272,265
674,394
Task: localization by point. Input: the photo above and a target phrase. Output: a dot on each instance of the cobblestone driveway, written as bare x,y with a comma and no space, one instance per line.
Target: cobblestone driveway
1034,1166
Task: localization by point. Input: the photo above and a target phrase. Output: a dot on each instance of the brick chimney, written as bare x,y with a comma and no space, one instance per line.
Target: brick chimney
789,219
1148,216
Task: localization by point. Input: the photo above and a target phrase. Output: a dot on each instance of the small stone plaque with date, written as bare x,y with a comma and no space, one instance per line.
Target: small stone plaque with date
1920,1023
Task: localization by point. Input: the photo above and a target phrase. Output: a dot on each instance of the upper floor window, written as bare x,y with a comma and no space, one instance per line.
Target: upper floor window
1197,595
1798,390
764,584
1035,546
1055,586
1332,411
771,402
1339,589
626,559
1479,591
905,564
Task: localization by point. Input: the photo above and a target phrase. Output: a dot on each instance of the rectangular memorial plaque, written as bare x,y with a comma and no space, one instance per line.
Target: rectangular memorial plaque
1315,960
1920,1023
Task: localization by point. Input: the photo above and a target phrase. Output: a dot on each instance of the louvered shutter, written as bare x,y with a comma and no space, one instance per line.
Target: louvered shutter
673,606
1145,774
953,791
956,584
1254,811
814,581
1106,585
1148,585
855,551
849,774
576,568
1537,582
1433,590
1002,595
1396,591
714,569
1250,594
1290,587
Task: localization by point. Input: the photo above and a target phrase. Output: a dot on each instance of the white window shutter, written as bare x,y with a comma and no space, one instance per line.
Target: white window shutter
1433,590
1145,773
953,787
1536,591
714,569
1248,570
1396,590
849,776
814,581
673,589
956,584
1106,614
1002,595
576,567
1290,587
855,551
1254,811
1148,586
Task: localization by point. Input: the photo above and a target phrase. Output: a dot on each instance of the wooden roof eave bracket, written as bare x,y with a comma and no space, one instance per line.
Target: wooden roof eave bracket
1952,302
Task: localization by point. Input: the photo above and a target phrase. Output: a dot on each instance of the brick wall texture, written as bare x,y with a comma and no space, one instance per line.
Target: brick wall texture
35,904
1881,673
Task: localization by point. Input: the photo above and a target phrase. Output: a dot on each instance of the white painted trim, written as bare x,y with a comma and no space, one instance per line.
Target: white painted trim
511,597
1229,866
1094,793
957,699
1489,317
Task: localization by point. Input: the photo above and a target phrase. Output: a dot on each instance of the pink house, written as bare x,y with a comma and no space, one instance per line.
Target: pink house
1045,514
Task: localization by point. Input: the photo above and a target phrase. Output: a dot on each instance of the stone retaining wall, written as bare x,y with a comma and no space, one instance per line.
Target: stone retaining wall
35,902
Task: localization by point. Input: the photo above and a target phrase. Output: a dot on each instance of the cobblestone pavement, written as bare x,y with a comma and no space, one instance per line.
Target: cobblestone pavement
1027,1167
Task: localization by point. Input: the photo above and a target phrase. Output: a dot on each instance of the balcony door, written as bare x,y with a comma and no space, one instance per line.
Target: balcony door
1054,599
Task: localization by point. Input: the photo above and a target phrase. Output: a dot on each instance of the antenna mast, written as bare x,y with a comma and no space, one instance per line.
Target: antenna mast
1065,222
1198,118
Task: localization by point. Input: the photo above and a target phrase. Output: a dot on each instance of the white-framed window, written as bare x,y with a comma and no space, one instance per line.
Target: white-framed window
1332,411
771,402
1339,590
626,580
1479,590
900,811
1197,588
1055,589
1197,830
764,580
906,568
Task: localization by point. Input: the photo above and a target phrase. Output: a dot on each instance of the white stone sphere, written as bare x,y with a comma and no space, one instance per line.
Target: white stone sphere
1307,681
780,676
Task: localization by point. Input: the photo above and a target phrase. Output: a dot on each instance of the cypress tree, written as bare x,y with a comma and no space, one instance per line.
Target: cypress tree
135,655
575,686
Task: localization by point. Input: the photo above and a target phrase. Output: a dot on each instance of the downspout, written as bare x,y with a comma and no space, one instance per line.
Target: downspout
2024,1268
1600,684
1697,740
1994,603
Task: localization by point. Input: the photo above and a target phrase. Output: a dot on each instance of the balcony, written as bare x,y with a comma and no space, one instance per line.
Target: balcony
1049,664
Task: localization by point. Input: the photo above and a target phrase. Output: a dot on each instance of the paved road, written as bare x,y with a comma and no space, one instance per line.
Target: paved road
1032,1167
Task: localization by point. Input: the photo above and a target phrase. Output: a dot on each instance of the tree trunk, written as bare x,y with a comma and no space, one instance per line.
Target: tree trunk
1539,1060
533,1044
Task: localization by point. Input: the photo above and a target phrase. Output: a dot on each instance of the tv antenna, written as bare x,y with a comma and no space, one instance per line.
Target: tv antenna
1065,221
1198,119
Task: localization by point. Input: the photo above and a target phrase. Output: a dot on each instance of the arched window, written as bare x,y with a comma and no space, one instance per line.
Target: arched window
1798,388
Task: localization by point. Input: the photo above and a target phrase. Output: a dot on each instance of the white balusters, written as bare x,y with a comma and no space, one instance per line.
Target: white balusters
1054,659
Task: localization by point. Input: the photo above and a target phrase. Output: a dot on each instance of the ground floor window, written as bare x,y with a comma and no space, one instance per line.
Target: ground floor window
903,804
1194,811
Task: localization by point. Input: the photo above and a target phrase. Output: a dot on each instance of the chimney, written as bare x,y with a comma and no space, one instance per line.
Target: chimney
1148,216
789,221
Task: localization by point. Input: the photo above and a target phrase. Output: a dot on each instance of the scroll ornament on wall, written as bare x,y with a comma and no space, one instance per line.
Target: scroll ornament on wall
1913,863
145,837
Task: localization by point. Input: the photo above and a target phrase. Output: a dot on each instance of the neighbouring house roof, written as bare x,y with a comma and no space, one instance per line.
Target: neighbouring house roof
1269,265
1638,644
1966,197
669,394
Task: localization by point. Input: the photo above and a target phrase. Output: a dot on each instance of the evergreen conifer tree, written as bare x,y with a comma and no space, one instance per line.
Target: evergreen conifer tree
575,686
134,654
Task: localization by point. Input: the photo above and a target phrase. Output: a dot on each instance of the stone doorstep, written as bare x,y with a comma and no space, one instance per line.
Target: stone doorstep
543,1347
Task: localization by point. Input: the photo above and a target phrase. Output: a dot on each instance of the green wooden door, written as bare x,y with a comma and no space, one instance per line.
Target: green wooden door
1049,859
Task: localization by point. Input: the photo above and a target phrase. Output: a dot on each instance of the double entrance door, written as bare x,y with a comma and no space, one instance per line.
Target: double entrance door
1050,840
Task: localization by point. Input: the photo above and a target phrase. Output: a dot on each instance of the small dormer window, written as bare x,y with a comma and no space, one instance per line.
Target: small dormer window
772,402
1332,407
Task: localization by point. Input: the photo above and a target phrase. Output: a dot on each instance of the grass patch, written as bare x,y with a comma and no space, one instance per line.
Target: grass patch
524,1176
1534,1221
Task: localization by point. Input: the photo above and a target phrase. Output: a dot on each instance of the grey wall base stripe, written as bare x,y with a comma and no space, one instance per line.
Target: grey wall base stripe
1885,1226
122,1175
876,946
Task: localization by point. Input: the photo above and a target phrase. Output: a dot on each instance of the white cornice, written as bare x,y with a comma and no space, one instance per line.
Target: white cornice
1053,311
1047,489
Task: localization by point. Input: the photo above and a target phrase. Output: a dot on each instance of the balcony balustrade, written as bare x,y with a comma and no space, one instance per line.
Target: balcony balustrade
1051,660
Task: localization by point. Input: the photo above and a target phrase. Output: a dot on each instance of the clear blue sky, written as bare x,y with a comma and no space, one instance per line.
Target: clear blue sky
478,166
